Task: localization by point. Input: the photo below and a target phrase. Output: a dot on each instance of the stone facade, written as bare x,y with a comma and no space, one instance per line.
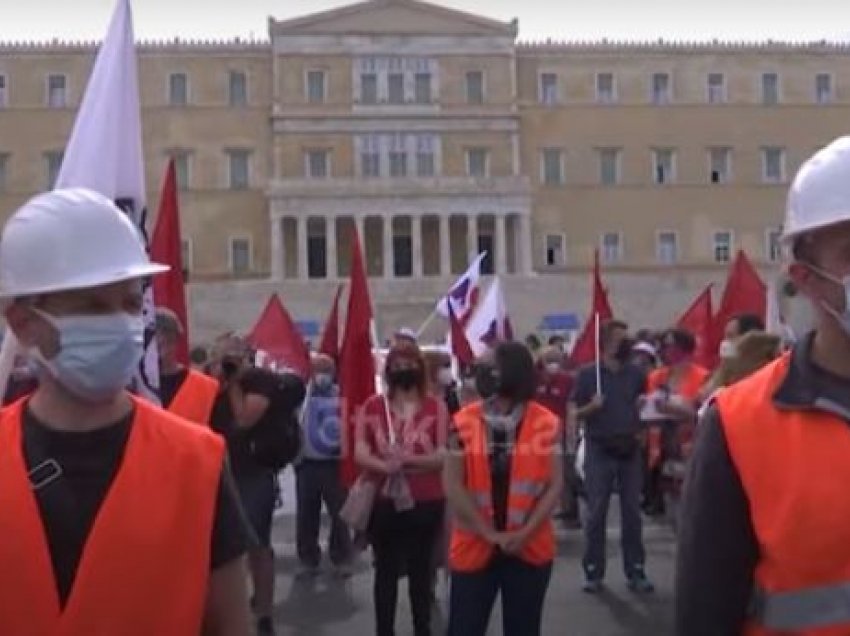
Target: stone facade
437,134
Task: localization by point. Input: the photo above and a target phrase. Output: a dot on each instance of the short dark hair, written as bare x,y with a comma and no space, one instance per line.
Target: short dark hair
608,327
516,368
748,322
532,341
683,339
555,339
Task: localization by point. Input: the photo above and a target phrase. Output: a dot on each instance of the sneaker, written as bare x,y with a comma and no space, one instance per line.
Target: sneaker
592,586
265,627
639,584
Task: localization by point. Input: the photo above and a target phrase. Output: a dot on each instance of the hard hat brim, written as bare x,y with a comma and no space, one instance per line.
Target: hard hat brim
90,282
789,237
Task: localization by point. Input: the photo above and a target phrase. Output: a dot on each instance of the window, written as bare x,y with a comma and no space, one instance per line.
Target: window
368,88
773,164
548,88
178,89
476,162
316,87
716,88
370,156
555,250
239,172
395,88
186,255
773,245
667,248
552,166
612,249
823,88
722,246
474,87
4,92
422,88
719,165
240,255
663,166
770,88
425,162
4,170
609,166
486,246
318,164
238,88
181,169
53,163
661,93
398,157
605,88
56,91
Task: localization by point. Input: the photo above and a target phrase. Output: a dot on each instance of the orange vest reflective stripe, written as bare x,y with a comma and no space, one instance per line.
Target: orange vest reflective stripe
146,564
794,466
195,398
531,473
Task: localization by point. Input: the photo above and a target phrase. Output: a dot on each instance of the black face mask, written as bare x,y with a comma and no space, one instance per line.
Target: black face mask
405,379
624,351
486,381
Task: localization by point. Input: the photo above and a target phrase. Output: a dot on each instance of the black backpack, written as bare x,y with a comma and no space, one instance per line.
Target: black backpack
275,440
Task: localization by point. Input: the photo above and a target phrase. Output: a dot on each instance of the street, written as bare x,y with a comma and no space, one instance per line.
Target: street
325,606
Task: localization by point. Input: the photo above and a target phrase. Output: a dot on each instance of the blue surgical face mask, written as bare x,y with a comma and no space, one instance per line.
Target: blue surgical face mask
323,381
98,355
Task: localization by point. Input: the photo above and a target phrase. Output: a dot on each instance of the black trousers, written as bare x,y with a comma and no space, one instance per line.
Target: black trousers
522,586
317,482
404,541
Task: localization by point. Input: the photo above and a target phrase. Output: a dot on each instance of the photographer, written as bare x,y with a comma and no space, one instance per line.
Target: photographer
253,404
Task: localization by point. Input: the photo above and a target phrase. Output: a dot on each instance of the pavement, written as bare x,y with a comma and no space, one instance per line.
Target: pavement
327,606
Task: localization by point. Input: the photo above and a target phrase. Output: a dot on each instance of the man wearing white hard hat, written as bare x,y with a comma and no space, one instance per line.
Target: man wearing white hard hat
765,535
115,516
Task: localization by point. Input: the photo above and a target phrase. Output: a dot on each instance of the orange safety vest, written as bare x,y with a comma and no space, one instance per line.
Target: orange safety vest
794,466
145,567
531,474
195,398
690,386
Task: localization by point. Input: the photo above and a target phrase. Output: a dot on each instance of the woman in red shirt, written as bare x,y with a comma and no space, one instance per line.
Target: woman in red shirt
400,441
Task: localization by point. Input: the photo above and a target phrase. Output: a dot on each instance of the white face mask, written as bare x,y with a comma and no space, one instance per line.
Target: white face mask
445,377
728,349
553,367
842,316
98,355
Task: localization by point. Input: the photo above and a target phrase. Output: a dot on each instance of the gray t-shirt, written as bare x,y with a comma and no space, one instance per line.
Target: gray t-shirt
620,389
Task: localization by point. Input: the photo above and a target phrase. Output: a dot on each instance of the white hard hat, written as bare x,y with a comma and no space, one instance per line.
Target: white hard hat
70,239
406,332
645,347
820,194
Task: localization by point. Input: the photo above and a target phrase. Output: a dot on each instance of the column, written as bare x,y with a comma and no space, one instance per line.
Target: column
330,247
301,220
389,261
445,245
360,224
515,159
526,263
472,236
416,244
501,244
277,262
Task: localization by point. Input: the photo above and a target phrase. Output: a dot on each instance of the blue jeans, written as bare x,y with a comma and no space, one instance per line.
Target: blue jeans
602,472
523,588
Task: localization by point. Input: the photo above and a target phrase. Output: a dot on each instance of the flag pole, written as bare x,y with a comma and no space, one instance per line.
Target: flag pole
596,349
426,324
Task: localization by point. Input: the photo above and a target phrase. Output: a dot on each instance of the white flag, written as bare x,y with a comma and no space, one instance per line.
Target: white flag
490,324
105,153
463,295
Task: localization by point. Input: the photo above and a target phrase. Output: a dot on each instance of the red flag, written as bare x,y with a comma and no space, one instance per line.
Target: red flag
356,364
584,351
698,319
330,335
276,336
169,289
461,348
745,293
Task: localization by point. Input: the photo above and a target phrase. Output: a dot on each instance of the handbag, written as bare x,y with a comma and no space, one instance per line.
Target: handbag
357,509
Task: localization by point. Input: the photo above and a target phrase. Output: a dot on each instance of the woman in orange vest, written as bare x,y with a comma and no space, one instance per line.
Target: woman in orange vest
116,517
182,391
503,479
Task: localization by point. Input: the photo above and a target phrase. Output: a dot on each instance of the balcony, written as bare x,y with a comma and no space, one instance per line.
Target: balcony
400,187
